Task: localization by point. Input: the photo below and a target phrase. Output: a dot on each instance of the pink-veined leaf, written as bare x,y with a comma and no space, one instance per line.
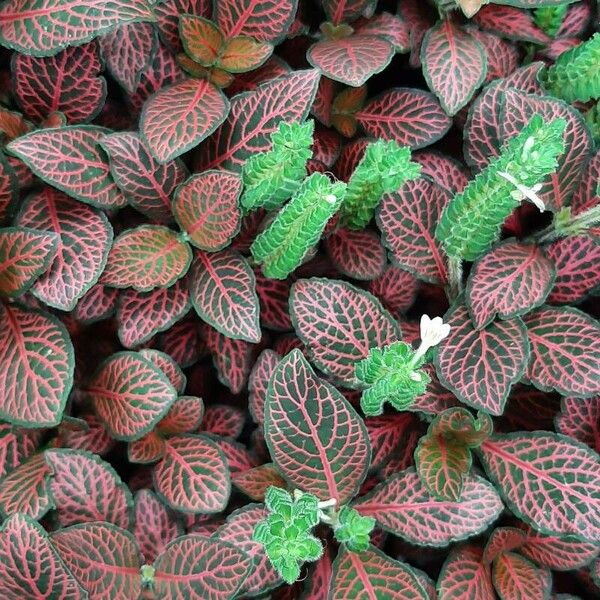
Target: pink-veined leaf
565,351
199,568
339,324
154,527
372,574
407,220
239,458
178,117
8,187
244,53
403,507
517,578
436,398
30,567
184,416
223,420
395,288
351,60
579,418
327,145
454,64
143,314
37,359
264,20
84,239
85,488
201,39
256,481
206,207
24,255
480,366
130,395
147,183
16,446
167,18
444,170
182,342
147,257
522,279
314,435
273,296
549,481
43,27
346,11
464,575
316,586
68,82
69,159
168,366
104,559
26,489
393,27
97,304
238,530
94,439
148,449
502,56
247,82
321,107
254,116
259,381
356,253
576,258
585,195
223,293
127,51
502,539
385,435
193,476
409,116
510,22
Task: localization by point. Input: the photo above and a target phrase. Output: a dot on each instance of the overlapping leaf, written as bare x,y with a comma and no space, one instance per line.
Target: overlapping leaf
167,18
356,253
273,296
8,188
579,418
255,482
516,577
464,575
259,381
97,304
510,22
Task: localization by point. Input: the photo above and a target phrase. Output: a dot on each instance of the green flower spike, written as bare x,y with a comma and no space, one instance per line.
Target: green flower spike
286,532
353,529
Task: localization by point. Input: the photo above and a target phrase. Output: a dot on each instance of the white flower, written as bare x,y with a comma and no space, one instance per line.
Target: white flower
433,331
523,191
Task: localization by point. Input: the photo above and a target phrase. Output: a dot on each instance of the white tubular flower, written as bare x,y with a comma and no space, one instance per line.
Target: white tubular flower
433,331
523,191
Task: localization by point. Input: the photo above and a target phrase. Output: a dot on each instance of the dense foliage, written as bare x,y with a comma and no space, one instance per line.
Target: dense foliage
299,299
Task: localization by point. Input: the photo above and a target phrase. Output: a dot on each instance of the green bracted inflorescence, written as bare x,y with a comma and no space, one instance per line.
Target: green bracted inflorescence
576,73
550,18
270,178
393,375
286,533
353,529
384,167
298,226
592,119
471,222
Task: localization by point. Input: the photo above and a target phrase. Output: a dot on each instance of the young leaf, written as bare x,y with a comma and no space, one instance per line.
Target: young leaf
34,383
464,575
184,416
549,481
516,577
243,53
403,507
69,159
201,39
148,449
454,64
339,324
315,437
345,11
502,539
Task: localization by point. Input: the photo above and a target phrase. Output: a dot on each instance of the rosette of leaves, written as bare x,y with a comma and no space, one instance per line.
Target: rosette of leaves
353,529
270,178
384,167
550,18
472,220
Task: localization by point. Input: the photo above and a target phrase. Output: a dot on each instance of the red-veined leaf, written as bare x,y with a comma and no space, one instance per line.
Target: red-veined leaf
238,456
223,420
396,289
565,351
385,434
143,314
254,116
502,539
436,398
67,82
339,324
94,439
37,361
454,64
351,60
148,449
576,258
8,188
346,11
444,170
407,220
167,18
25,489
259,381
314,435
585,195
516,578
201,39
154,527
510,22
29,565
247,82
44,27
207,208
16,446
579,418
393,27
147,257
97,304
256,481
327,145
183,343
549,481
244,53
167,365
357,254
130,395
480,366
104,559
465,576
273,296
223,292
264,20
127,51
199,568
147,183
193,476
522,276
85,488
184,416
502,56
24,255
84,239
372,574
409,116
403,507
69,159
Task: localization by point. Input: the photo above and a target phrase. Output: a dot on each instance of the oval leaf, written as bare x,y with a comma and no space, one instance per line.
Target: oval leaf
579,418
357,254
517,578
464,575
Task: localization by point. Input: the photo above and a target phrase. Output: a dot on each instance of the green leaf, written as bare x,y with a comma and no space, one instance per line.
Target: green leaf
353,529
550,18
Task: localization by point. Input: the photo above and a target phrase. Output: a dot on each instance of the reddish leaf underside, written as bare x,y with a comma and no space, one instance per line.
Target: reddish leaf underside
223,420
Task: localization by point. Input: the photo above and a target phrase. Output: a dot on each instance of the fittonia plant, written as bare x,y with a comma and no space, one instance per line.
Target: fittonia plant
299,299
